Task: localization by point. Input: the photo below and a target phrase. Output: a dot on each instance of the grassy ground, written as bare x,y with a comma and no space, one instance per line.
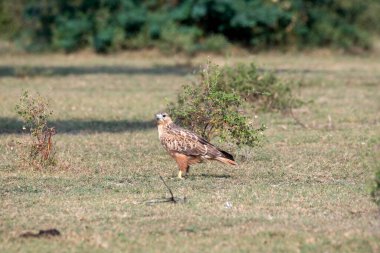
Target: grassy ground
304,190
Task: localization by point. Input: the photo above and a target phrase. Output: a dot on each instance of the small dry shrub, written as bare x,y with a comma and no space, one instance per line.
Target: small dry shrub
37,150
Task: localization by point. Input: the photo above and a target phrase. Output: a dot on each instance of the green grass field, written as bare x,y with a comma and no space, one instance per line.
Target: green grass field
304,190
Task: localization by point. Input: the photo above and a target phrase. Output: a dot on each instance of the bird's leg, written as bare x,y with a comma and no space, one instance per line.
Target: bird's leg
183,165
183,171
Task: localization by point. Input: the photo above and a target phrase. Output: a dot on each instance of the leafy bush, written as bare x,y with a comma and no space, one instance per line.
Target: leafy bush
209,111
70,34
176,38
369,19
261,89
191,25
214,43
38,151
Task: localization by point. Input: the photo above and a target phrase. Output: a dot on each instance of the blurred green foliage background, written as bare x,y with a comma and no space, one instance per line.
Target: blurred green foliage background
188,25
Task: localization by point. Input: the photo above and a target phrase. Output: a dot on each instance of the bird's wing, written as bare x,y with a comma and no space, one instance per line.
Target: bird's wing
186,142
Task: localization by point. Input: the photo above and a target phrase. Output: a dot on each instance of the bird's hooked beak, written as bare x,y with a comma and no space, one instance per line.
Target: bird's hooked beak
159,117
163,118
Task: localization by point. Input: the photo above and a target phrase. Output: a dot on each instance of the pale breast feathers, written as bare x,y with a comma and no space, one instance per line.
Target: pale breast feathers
176,139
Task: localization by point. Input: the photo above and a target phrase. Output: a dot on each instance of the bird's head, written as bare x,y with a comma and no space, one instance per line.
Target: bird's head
163,119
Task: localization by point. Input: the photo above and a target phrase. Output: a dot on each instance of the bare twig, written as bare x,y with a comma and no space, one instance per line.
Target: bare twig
171,193
172,199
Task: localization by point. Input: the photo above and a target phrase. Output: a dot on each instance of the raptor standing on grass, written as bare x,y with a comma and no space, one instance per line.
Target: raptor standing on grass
186,147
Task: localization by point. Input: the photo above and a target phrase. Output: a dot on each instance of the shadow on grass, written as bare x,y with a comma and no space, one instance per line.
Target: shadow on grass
25,70
178,69
14,126
204,175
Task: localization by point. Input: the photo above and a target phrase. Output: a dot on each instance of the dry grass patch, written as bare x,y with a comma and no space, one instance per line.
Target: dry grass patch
305,189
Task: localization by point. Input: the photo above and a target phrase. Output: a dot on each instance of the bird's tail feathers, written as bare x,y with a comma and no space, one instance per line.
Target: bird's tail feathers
226,158
226,161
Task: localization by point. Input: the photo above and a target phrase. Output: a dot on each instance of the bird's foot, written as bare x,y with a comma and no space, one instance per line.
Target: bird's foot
180,175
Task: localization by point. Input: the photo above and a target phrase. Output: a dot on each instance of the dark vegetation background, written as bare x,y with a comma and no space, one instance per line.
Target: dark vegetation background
190,25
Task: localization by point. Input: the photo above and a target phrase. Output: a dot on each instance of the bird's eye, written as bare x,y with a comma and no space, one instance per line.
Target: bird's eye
164,115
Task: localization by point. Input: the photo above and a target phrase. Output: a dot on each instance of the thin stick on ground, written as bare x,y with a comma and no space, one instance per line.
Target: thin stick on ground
170,191
172,199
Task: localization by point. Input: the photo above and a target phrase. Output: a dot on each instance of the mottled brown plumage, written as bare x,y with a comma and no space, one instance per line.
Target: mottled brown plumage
186,147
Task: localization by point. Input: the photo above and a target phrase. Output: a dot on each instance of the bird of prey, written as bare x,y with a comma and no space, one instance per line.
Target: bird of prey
186,147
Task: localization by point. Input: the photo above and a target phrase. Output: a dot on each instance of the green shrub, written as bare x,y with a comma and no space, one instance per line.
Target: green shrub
214,43
211,111
214,104
38,151
70,34
369,19
261,89
174,38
